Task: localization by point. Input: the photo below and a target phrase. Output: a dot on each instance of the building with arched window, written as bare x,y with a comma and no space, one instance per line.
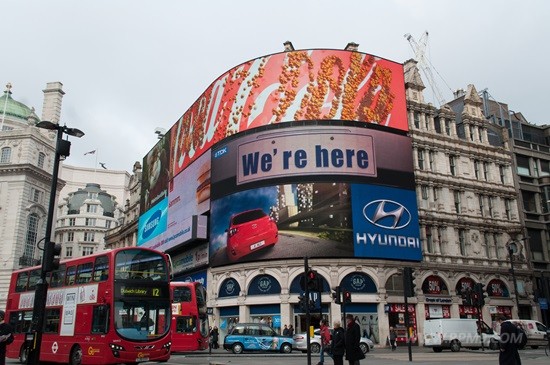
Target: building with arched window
26,162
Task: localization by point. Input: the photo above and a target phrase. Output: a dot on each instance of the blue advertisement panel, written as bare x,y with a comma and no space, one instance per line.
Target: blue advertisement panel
153,222
385,223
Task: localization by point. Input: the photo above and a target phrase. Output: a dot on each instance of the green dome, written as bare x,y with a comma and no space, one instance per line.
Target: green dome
15,109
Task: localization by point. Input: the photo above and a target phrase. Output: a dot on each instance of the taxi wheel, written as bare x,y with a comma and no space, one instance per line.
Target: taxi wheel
237,348
286,348
76,356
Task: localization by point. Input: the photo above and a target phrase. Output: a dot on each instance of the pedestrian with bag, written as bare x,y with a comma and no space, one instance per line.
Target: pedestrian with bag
325,341
338,347
352,341
509,337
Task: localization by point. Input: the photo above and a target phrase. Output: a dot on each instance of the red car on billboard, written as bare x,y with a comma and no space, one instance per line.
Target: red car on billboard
250,231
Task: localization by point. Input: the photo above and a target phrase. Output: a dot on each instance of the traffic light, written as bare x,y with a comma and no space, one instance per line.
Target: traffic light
480,294
467,296
50,261
313,281
408,282
346,296
337,295
302,302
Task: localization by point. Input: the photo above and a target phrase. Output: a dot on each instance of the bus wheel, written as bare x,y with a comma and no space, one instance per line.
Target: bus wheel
76,356
237,348
23,354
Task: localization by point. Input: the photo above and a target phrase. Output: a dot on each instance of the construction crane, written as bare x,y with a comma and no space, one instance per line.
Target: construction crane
425,65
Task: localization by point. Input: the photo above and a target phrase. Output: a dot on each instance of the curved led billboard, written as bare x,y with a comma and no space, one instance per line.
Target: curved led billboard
303,85
320,191
183,179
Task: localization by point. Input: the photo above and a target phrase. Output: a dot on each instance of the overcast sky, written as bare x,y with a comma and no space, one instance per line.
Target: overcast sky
130,66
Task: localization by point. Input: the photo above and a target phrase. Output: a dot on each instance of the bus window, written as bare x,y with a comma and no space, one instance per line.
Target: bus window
33,279
22,280
58,277
21,321
101,268
71,274
84,273
147,264
186,324
52,321
100,319
182,294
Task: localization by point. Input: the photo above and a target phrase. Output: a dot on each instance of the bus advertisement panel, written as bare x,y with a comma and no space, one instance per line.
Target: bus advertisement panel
189,318
108,308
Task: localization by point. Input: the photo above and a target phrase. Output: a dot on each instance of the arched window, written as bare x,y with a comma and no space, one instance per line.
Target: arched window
31,236
41,158
5,157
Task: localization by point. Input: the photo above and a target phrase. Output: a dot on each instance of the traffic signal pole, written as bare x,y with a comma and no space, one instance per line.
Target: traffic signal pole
308,314
34,338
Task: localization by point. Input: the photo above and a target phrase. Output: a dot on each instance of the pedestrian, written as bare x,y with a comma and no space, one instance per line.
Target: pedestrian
214,336
392,337
285,331
325,341
290,330
6,337
352,340
338,344
509,334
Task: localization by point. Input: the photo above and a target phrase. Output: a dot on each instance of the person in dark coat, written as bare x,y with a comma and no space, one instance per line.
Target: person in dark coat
509,333
352,340
338,346
214,335
6,337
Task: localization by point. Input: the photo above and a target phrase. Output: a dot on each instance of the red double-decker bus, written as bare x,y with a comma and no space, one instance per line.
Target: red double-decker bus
189,318
108,308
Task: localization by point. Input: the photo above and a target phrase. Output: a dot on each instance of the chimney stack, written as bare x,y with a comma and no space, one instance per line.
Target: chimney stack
53,95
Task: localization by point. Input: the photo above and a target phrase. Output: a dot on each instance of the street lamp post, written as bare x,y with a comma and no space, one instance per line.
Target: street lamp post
512,249
34,337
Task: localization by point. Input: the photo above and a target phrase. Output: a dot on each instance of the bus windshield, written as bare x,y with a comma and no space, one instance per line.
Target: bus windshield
138,264
141,319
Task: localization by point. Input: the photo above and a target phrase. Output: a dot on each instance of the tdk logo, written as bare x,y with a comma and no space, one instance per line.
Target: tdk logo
151,224
219,153
387,214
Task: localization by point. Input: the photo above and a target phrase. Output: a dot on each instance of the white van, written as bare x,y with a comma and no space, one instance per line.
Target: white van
536,332
452,333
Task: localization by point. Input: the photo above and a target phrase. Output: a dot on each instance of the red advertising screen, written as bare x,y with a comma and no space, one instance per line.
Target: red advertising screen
284,87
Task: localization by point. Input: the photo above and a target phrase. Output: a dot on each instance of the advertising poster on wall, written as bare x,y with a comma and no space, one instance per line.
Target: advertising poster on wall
294,192
283,221
188,197
155,174
385,222
304,85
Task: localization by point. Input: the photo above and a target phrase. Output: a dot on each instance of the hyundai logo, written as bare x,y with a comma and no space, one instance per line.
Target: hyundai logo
387,214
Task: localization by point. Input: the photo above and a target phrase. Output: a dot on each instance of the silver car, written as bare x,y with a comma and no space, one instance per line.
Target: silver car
300,343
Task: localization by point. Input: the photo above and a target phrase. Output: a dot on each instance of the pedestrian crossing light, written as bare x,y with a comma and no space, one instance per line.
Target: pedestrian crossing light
408,282
313,281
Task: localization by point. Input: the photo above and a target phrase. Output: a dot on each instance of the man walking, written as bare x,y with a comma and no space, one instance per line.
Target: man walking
353,339
509,337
